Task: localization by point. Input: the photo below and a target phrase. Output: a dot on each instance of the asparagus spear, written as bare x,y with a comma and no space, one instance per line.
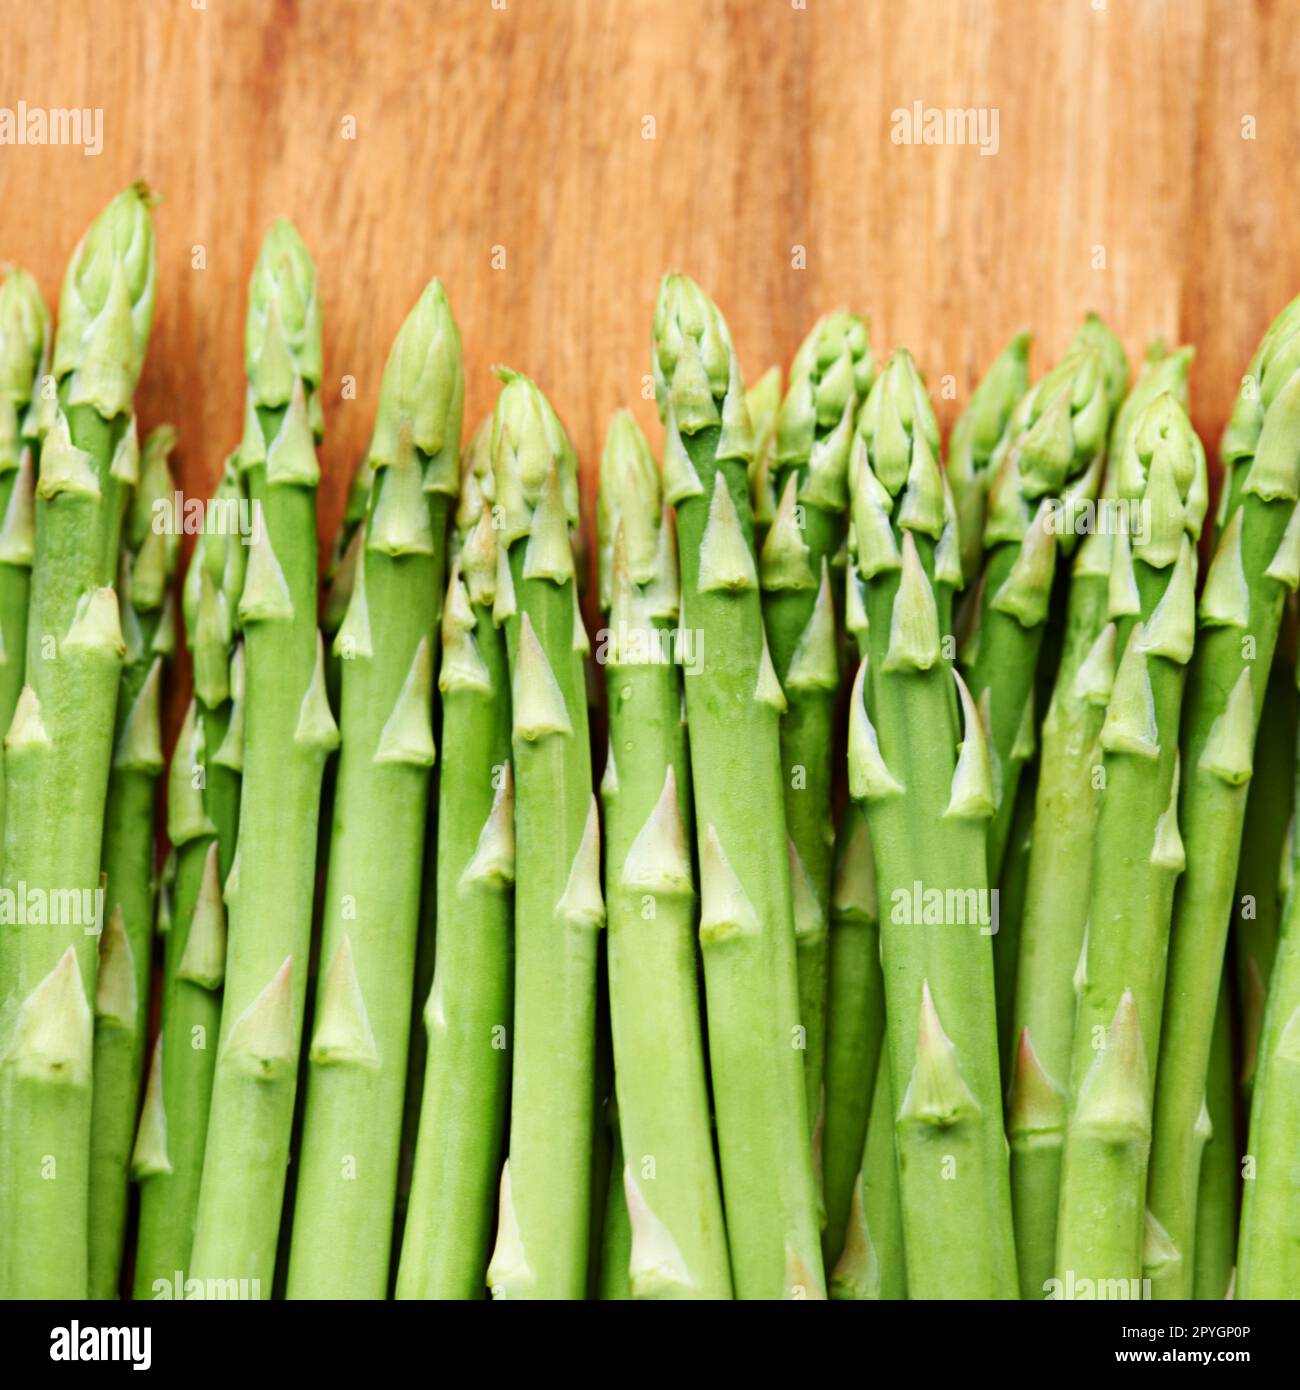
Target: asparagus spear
928,806
467,1016
1264,854
678,1242
357,1062
545,1211
122,999
202,822
973,446
1052,455
616,1232
1137,853
24,358
288,733
830,375
764,401
856,1026
873,1265
1059,875
734,702
1268,1251
1216,1196
1256,560
59,747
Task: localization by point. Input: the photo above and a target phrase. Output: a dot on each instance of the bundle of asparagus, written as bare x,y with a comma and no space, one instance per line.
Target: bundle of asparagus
859,879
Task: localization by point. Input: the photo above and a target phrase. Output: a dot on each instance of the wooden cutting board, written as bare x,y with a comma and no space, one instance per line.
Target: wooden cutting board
550,158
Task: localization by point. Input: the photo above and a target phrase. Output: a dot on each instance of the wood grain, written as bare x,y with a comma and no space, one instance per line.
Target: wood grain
1122,180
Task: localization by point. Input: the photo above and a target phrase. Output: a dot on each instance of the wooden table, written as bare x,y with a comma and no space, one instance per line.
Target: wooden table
517,129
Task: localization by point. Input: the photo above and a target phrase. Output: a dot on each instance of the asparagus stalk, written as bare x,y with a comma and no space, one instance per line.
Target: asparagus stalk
973,446
616,1231
928,805
1011,912
357,1061
545,1211
202,822
122,999
830,375
678,1242
1052,456
1216,1196
24,358
1059,875
59,747
468,1014
734,703
340,576
1137,853
873,1265
764,401
288,734
1265,852
855,1027
1268,1251
1256,560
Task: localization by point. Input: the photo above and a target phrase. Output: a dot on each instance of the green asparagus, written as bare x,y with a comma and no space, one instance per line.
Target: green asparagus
357,1061
1137,854
830,375
1268,1251
764,401
1049,466
734,703
1216,1196
546,1184
202,822
122,998
855,1026
59,747
873,1265
1256,560
1265,855
678,1243
1059,875
467,1017
928,803
288,733
973,446
24,360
